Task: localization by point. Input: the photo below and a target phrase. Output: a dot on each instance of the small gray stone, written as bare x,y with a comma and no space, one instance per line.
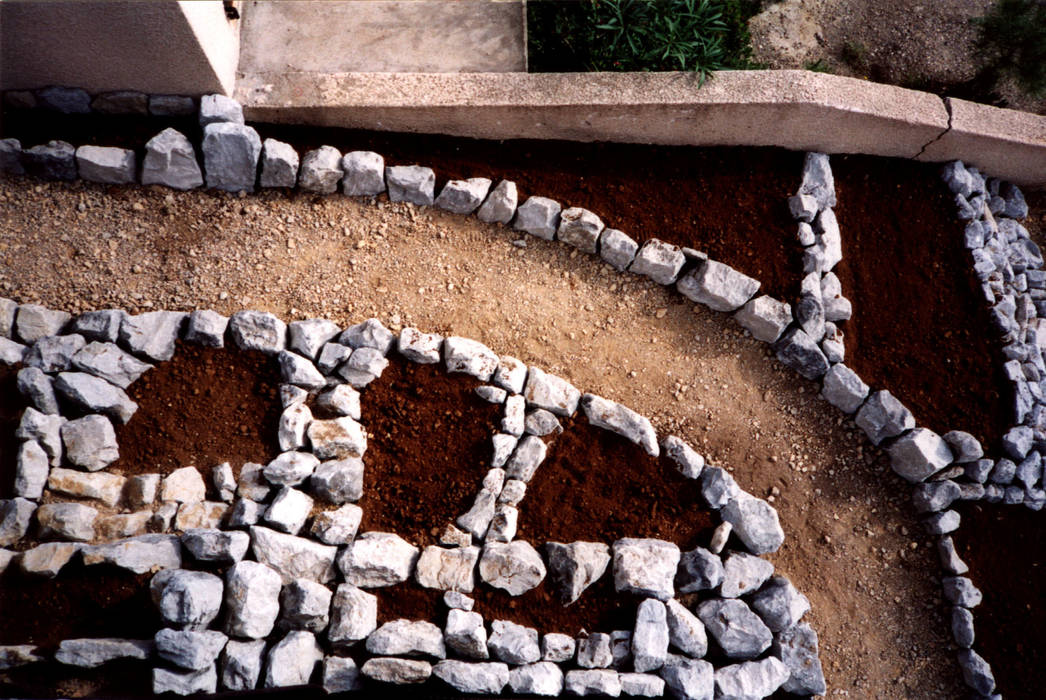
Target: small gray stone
743,574
738,631
919,454
1017,442
54,161
184,485
512,643
765,318
242,664
717,486
557,647
293,557
480,678
538,216
690,680
803,207
230,155
645,567
407,638
882,416
717,286
543,678
551,393
514,567
755,522
34,322
477,520
491,394
463,196
1003,472
621,648
513,420
797,649
500,206
960,590
309,337
252,592
299,371
305,605
410,183
121,102
279,164
809,310
219,108
31,470
397,671
458,601
258,330
593,682
224,481
617,248
38,390
699,570
338,438
152,334
137,554
216,545
91,653
11,157
378,559
354,615
843,388
751,679
15,516
338,481
342,400
720,536
90,442
66,521
687,461
337,526
12,353
780,605
109,362
368,334
650,637
659,261
113,166
321,170
419,347
976,671
510,374
184,682
46,559
470,357
447,569
171,161
363,367
244,513
292,661
252,483
341,675
817,180
44,429
962,627
207,328
186,599
594,651
575,566
621,420
364,174
942,523
53,353
934,496
465,634
195,651
580,228
950,560
685,631
530,453
799,351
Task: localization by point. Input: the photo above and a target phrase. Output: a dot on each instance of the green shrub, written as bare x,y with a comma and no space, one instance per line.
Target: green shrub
1011,43
639,35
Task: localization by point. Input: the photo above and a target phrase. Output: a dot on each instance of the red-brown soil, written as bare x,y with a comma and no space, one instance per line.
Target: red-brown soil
1005,548
203,407
11,407
428,448
920,326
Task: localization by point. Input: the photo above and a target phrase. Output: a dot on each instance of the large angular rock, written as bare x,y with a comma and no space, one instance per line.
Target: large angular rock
252,599
338,481
34,322
292,661
321,170
171,161
337,438
470,357
91,653
376,559
621,420
66,521
882,416
755,522
779,604
207,328
685,631
962,627
93,395
242,664
575,566
53,353
699,570
111,166
717,286
799,351
514,567
512,643
965,447
481,678
368,334
463,196
659,261
919,454
765,318
31,470
90,442
617,248
216,545
477,520
337,526
743,574
410,183
342,400
258,330
538,216
976,671
354,615
645,567
188,649
293,557
738,631
137,554
500,206
419,347
818,181
843,388
364,174
529,454
580,228
46,559
290,432
54,161
407,638
809,309
797,648
279,164
650,637
960,590
287,469
15,516
551,393
644,685
289,510
447,569
37,389
341,675
108,361
305,605
597,681
397,671
751,679
100,486
465,634
299,371
230,156
557,647
184,485
184,682
543,678
594,651
308,337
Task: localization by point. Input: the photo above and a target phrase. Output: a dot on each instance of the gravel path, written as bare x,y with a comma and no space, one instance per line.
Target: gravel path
853,545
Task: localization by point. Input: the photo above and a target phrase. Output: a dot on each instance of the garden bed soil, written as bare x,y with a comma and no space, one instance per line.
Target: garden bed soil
1005,548
203,407
920,325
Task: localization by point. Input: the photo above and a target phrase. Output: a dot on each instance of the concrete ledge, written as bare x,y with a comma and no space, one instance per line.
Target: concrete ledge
798,110
1000,142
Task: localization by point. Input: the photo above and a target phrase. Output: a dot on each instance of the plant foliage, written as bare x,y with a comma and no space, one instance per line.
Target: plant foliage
1012,43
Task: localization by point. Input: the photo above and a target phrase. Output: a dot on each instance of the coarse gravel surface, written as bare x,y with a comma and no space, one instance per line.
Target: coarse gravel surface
853,544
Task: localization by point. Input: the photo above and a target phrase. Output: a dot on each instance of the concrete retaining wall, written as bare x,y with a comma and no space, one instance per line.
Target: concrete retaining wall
798,110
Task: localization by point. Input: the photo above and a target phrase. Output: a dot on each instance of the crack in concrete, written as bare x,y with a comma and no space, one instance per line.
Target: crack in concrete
938,137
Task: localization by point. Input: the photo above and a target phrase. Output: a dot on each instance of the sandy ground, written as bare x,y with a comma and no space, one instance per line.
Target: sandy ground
853,544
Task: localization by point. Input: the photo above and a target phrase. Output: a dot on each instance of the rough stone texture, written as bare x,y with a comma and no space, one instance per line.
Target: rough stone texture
685,631
289,510
538,216
90,442
744,574
407,638
36,388
16,655
34,322
962,627
53,353
500,206
514,567
617,248
308,337
480,678
765,318
252,605
258,330
463,196
183,485
31,470
364,174
202,514
529,454
15,516
797,350
779,604
797,648
699,570
100,486
293,557
843,388
809,309
593,682
12,353
650,637
242,664
551,393
557,647
93,395
338,438
512,643
184,682
42,560
410,183
465,635
195,651
354,615
113,166
976,671
690,680
621,420
718,487
44,429
171,161
755,522
137,554
751,679
66,521
397,671
338,481
543,678
321,170
341,675
279,164
304,605
739,632
470,357
11,157
1017,442
377,559
882,416
216,545
659,261
337,526
477,520
207,328
580,228
287,469
575,566
919,454
645,567
91,653
642,685
299,371
447,569
109,362
292,661
594,651
718,286
368,334
230,155
219,108
54,161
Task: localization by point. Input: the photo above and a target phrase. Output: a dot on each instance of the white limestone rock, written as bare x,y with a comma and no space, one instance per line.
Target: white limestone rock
46,559
765,318
92,653
410,183
575,566
53,353
137,554
659,261
354,615
304,605
543,678
341,400
755,522
289,510
743,574
407,638
751,679
337,438
279,164
580,228
286,469
321,170
685,631
500,206
188,649
171,161
423,348
599,681
465,635
843,388
66,521
645,567
463,196
919,454
621,420
216,545
368,334
102,326
15,516
718,286
252,599
551,393
341,675
779,604
643,685
184,682
478,678
35,387
241,664
617,248
470,357
108,361
510,374
557,647
529,454
738,631
293,557
512,643
397,671
152,334
230,156
299,371
447,569
514,567
89,442
202,514
292,661
184,485
93,395
594,651
258,330
207,328
337,526
687,461
111,166
376,559
538,216
31,470
364,174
